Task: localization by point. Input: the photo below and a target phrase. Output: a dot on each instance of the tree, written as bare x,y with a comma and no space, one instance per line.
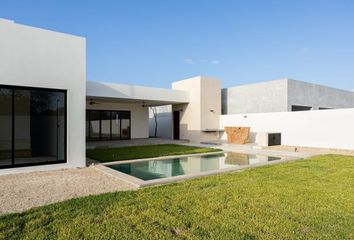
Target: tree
154,112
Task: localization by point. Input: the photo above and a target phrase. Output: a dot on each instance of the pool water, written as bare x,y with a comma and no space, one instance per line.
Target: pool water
155,169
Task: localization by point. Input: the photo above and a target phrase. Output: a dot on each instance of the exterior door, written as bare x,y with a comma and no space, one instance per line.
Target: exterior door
176,125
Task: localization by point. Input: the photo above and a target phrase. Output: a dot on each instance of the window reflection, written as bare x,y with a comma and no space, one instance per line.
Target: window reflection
5,126
107,125
38,135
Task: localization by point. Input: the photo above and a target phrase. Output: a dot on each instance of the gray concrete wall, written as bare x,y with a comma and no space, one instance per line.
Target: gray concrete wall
318,96
256,98
280,95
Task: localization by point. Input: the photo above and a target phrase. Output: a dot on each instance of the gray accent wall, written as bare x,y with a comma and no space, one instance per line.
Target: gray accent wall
280,95
255,98
318,96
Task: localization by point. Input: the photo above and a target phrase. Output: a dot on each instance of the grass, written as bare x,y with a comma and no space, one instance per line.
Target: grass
149,151
306,199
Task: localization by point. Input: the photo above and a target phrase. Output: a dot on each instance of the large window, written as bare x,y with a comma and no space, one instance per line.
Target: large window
32,126
107,125
297,108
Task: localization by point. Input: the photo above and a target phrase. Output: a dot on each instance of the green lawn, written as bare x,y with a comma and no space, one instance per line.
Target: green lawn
138,152
306,199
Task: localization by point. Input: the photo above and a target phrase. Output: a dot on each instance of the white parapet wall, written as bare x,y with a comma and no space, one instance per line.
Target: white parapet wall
322,128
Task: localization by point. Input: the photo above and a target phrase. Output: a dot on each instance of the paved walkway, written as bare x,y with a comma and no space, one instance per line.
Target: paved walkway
253,149
19,192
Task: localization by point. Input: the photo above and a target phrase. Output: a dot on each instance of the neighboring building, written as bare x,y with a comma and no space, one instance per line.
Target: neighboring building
282,96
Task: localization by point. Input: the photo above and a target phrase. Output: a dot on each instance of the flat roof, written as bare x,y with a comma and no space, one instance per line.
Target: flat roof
150,96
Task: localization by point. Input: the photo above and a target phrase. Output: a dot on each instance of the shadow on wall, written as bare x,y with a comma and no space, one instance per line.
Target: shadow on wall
97,89
224,101
252,138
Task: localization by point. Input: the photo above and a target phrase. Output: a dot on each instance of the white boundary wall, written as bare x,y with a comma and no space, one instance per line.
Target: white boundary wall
322,128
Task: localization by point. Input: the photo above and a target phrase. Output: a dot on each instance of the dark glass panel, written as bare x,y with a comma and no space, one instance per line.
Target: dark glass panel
296,108
94,125
105,125
5,127
115,125
39,126
87,125
125,125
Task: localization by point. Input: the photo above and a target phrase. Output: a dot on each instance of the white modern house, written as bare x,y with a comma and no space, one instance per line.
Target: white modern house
48,111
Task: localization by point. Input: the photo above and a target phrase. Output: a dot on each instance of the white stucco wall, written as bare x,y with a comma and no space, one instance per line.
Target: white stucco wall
203,110
139,116
323,129
40,58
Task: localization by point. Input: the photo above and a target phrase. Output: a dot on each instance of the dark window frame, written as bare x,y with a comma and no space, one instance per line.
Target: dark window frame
13,164
88,119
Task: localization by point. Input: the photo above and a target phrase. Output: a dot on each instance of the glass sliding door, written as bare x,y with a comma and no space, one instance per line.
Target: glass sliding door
115,118
5,126
36,126
105,125
95,125
39,126
125,125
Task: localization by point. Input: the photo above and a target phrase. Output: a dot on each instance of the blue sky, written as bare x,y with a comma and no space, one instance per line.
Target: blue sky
156,42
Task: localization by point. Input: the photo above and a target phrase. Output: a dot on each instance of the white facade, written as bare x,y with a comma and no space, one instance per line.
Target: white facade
202,112
322,129
35,57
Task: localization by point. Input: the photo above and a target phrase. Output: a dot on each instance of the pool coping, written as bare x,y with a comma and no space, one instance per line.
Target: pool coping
104,167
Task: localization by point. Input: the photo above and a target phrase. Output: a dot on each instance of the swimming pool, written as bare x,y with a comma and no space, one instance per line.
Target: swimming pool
153,170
